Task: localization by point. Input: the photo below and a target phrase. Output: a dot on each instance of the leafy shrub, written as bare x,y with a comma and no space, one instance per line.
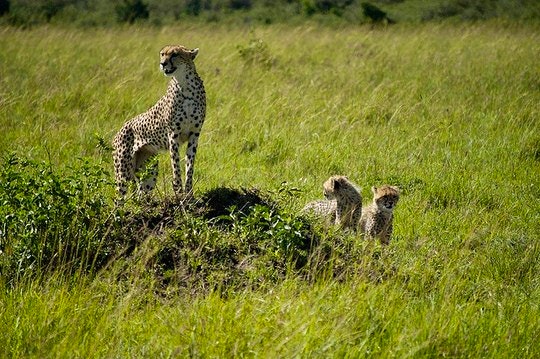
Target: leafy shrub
374,14
281,234
4,7
49,219
239,4
325,6
193,7
50,8
131,10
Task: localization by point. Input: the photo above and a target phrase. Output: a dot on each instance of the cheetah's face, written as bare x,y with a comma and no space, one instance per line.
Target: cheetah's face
386,197
174,57
328,193
332,185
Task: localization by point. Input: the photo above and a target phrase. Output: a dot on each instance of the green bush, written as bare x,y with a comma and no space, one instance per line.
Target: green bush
193,7
239,4
4,7
49,219
326,6
374,14
131,10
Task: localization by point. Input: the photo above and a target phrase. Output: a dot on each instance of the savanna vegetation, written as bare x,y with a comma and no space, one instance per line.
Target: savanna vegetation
84,13
447,111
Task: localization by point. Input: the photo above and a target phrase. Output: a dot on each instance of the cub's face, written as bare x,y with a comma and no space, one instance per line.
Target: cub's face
174,57
328,189
333,185
386,197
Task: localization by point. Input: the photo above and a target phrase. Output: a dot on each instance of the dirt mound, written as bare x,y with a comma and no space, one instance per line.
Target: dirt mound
221,201
213,206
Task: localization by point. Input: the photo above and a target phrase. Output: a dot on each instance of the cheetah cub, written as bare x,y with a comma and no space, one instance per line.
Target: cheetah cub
343,204
175,119
377,218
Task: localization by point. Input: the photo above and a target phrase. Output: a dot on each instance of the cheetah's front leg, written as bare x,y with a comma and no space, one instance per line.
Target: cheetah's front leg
123,162
339,216
174,145
370,231
190,161
387,233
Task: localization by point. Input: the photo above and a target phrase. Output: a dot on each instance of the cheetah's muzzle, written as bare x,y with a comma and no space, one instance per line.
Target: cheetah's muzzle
169,71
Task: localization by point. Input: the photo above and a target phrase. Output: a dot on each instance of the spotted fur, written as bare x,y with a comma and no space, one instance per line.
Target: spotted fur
343,204
176,118
377,218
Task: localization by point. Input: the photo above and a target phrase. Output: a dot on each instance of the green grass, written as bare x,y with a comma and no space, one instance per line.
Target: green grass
449,113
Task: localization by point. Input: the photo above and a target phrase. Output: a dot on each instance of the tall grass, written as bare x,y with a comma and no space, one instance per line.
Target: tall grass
447,112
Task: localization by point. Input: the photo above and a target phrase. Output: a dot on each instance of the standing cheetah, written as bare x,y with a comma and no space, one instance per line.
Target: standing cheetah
343,204
377,218
176,118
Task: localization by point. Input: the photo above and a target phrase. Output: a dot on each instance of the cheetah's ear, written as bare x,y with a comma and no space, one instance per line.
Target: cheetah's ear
335,184
193,53
374,189
395,188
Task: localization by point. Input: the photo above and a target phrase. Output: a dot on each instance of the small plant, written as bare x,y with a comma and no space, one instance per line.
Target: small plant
285,235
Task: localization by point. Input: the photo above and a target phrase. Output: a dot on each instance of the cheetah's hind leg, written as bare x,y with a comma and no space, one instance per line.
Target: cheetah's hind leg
124,173
146,167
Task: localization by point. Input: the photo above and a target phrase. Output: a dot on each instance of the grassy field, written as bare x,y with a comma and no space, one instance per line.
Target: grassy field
449,113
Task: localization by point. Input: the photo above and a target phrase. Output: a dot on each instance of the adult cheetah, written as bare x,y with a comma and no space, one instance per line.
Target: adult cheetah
343,204
176,118
377,218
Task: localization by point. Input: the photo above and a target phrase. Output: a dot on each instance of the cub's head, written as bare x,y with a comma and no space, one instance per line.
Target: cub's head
333,185
173,57
386,197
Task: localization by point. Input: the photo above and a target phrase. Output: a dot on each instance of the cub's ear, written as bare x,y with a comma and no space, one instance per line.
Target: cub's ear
374,189
193,53
335,184
395,188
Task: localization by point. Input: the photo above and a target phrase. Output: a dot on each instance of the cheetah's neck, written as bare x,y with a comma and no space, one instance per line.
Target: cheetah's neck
185,87
185,78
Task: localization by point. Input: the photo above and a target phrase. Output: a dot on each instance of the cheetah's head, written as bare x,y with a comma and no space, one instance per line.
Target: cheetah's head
385,197
333,185
174,57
